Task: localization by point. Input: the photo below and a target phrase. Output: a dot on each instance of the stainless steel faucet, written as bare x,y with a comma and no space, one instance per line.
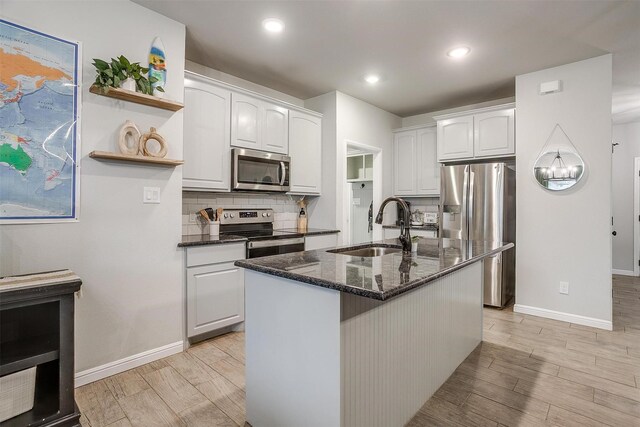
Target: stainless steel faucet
405,236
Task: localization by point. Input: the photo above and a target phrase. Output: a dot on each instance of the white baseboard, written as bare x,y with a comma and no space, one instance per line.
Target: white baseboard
565,317
623,272
115,367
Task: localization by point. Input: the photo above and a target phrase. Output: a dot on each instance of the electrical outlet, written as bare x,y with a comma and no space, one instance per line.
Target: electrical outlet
192,218
564,288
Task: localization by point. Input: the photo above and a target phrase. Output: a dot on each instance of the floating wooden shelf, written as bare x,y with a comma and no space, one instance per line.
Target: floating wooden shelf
105,155
137,97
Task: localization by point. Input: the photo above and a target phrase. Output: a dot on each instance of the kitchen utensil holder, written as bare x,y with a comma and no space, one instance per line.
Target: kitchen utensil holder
214,228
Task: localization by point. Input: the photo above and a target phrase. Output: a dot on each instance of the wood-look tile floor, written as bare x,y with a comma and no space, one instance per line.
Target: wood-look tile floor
528,371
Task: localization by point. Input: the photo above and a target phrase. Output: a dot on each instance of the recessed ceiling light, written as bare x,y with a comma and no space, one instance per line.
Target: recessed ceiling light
458,52
273,25
371,79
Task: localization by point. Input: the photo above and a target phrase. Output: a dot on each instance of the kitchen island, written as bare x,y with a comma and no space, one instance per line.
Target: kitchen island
335,338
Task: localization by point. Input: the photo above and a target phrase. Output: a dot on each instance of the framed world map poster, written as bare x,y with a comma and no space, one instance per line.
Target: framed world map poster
39,126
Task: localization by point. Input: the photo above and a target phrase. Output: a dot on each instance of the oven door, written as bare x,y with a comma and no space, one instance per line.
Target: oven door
259,171
274,247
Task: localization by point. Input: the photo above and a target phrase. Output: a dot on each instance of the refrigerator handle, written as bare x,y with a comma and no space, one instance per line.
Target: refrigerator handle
464,214
501,200
472,176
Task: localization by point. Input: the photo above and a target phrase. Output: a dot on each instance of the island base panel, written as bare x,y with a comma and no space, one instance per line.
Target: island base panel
292,362
396,354
319,357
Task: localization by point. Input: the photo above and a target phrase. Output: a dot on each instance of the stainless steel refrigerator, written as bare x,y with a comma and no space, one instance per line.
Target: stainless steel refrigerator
478,202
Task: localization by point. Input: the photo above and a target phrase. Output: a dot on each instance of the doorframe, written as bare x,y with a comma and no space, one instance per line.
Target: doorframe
377,187
636,217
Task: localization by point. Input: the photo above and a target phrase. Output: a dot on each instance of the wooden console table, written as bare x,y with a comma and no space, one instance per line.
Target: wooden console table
36,329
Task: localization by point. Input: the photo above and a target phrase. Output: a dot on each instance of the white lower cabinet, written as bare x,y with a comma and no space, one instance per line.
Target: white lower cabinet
320,242
215,291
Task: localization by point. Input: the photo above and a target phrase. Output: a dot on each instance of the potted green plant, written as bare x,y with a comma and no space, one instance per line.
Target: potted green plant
123,73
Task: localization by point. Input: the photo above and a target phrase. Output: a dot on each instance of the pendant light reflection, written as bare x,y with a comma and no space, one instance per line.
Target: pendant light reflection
559,167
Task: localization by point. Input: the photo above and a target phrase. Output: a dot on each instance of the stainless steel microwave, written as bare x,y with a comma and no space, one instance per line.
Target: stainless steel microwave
253,170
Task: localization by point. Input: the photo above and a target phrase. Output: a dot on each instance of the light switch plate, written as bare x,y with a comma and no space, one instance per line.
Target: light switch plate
151,195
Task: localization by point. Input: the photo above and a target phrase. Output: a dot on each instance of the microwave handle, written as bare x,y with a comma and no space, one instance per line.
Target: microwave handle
283,170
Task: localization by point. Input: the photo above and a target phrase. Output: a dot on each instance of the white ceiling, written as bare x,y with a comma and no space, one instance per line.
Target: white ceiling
331,45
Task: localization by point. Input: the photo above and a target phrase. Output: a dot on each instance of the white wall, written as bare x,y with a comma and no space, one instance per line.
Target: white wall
566,236
124,251
363,123
347,119
321,210
427,118
628,136
237,81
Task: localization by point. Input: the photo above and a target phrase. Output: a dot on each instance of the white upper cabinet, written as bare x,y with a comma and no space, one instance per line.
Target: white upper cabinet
218,116
488,132
275,129
427,166
415,163
246,122
404,163
259,125
455,138
207,118
305,150
494,133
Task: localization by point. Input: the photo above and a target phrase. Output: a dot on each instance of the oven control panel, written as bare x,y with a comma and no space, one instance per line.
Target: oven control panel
246,216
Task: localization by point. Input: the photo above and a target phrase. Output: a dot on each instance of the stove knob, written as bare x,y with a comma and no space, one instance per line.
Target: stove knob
264,214
268,213
231,215
226,215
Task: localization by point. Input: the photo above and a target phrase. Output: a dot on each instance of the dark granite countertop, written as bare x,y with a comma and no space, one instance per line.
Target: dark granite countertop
380,277
310,231
204,239
416,227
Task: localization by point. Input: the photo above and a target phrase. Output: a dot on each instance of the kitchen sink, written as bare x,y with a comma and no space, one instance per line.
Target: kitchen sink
369,251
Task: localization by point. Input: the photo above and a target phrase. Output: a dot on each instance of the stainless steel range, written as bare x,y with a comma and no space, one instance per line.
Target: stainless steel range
257,226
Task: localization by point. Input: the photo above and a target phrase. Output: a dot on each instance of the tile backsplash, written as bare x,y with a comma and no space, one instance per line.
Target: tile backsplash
424,204
285,209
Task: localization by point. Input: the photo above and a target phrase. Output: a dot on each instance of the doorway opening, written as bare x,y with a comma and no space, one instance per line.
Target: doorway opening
362,192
